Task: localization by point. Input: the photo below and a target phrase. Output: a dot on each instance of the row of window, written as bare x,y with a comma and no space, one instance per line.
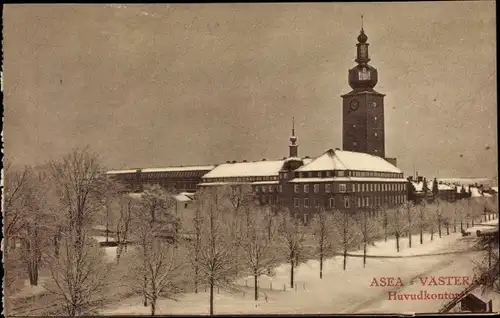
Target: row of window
241,179
379,200
361,201
342,173
355,187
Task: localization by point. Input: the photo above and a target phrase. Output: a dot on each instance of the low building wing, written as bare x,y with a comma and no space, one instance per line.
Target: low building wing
246,169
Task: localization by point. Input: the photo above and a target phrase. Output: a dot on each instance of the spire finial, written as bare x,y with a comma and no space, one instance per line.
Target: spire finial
361,21
293,126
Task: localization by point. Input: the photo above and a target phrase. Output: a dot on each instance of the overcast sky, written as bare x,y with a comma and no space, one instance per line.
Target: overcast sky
158,85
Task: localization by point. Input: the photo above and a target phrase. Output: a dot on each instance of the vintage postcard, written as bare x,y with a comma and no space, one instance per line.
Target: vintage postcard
250,158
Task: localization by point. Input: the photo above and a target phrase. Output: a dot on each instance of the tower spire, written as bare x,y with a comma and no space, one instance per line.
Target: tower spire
361,21
294,151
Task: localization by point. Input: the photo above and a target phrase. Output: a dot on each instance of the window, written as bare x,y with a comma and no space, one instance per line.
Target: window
316,202
310,174
328,188
271,188
306,188
316,188
319,174
332,202
296,202
342,188
305,218
306,203
328,173
375,118
367,201
264,199
347,203
404,187
371,187
363,187
359,187
376,134
296,188
264,189
340,173
185,205
359,202
280,188
353,187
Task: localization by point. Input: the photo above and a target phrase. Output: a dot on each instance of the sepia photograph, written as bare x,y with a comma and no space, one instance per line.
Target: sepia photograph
250,158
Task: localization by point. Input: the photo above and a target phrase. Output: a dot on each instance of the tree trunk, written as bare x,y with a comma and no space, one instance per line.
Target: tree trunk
439,228
447,229
211,296
196,277
321,266
145,303
153,307
409,238
345,257
421,235
364,253
397,242
256,286
455,226
432,233
461,226
292,258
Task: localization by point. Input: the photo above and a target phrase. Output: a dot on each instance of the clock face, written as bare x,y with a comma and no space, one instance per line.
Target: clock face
354,105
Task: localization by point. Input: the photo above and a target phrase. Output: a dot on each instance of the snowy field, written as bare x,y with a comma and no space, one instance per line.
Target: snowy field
339,291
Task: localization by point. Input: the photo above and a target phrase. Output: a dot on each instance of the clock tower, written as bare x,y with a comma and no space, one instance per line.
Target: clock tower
363,107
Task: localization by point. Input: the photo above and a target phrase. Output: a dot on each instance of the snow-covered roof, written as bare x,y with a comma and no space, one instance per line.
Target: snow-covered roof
246,169
182,198
181,168
121,171
444,187
349,160
264,182
347,179
495,189
475,192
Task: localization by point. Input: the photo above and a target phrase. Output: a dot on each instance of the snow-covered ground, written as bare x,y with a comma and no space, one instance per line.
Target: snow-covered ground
339,291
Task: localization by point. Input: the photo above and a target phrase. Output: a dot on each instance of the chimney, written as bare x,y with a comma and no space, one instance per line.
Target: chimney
410,178
337,149
307,157
284,158
234,161
264,159
244,161
228,161
419,179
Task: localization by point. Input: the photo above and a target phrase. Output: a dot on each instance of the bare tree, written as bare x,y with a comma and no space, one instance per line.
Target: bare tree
439,215
397,223
157,265
123,225
77,179
323,228
384,220
291,238
78,274
421,220
217,250
195,244
153,221
238,200
14,203
409,212
348,231
257,245
368,228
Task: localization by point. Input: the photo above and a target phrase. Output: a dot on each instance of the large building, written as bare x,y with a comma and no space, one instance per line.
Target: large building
359,177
